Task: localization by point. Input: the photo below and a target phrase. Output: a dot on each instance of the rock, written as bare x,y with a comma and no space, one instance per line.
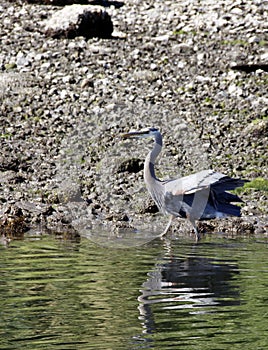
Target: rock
249,68
57,2
148,207
79,20
133,165
12,222
182,48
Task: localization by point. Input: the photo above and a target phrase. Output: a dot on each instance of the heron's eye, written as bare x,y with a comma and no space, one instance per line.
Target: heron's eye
153,129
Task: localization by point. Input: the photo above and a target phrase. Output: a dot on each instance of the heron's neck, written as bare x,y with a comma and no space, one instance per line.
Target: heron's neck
149,173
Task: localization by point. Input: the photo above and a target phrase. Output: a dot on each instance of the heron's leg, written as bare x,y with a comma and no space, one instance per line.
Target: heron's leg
168,226
197,234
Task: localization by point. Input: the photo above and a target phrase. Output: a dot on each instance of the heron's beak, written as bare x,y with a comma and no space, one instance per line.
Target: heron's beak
134,135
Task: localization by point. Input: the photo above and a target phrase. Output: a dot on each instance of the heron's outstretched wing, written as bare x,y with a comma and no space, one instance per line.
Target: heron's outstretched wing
202,195
193,183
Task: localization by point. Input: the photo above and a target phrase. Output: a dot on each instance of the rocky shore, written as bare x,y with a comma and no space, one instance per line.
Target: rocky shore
197,70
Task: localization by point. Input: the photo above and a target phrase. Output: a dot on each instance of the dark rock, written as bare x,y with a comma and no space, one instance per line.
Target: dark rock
133,165
149,207
106,3
57,2
12,222
249,68
9,162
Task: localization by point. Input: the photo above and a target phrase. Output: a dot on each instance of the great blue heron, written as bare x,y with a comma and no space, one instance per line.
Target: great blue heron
200,196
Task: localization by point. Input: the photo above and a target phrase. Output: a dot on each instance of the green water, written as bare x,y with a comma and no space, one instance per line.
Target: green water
175,294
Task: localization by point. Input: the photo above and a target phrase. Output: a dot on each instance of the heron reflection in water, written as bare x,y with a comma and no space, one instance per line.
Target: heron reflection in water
200,196
181,287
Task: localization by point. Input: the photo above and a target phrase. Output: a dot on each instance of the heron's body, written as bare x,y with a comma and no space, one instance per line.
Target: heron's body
200,196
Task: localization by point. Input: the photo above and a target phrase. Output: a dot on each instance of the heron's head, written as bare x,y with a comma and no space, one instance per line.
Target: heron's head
143,133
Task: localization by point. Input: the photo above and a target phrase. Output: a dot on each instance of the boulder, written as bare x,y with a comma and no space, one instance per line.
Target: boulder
79,20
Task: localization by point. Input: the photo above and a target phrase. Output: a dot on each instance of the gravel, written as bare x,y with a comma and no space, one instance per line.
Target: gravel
168,64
